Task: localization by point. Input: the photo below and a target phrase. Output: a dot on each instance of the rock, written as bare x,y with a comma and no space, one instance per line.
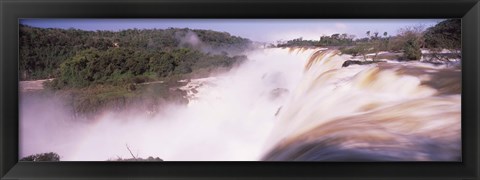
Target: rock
351,62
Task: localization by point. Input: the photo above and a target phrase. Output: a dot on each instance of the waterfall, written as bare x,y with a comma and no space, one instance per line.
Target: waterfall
281,104
385,111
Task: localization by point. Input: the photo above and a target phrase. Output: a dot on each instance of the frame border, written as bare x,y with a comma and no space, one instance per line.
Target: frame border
12,10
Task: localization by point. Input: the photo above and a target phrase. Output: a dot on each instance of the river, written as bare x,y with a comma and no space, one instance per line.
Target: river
281,104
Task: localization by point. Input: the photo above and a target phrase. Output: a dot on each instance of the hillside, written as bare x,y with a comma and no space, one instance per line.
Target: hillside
97,70
43,51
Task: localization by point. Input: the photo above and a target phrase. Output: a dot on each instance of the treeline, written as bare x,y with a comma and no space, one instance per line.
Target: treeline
102,56
50,156
333,40
118,66
95,71
54,157
409,41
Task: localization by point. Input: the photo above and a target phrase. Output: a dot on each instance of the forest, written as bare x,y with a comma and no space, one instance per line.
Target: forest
107,56
97,70
409,41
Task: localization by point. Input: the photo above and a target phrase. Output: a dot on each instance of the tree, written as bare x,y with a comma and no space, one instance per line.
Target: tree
374,44
411,50
335,36
42,51
162,64
411,40
51,156
444,35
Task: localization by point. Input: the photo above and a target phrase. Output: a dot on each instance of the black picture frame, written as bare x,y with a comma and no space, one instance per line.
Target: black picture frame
12,10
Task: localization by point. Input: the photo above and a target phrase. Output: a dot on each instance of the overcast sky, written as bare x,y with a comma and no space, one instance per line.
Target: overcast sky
264,30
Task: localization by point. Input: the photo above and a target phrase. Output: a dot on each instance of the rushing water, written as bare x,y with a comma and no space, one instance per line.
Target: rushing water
281,104
400,112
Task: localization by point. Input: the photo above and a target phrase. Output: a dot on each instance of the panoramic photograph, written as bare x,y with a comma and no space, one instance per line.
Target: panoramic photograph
326,90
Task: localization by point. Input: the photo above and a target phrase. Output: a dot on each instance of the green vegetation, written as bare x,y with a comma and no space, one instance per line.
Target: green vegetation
119,66
374,43
43,51
333,40
411,50
446,34
51,156
101,69
85,102
409,41
98,70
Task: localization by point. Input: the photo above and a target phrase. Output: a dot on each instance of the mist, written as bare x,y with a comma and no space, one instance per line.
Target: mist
190,39
279,105
229,118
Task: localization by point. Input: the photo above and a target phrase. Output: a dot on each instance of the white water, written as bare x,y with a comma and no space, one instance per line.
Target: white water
375,110
229,119
232,116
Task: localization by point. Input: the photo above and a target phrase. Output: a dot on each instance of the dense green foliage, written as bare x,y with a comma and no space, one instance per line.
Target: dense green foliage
104,70
43,51
117,66
410,40
411,50
51,156
446,34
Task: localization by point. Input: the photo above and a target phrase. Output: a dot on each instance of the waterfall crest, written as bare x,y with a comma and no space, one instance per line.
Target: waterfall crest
280,104
368,112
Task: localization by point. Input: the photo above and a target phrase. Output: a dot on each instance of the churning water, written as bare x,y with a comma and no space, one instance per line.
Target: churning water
281,104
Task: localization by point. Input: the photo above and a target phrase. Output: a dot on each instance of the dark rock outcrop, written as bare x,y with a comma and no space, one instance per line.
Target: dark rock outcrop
351,62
